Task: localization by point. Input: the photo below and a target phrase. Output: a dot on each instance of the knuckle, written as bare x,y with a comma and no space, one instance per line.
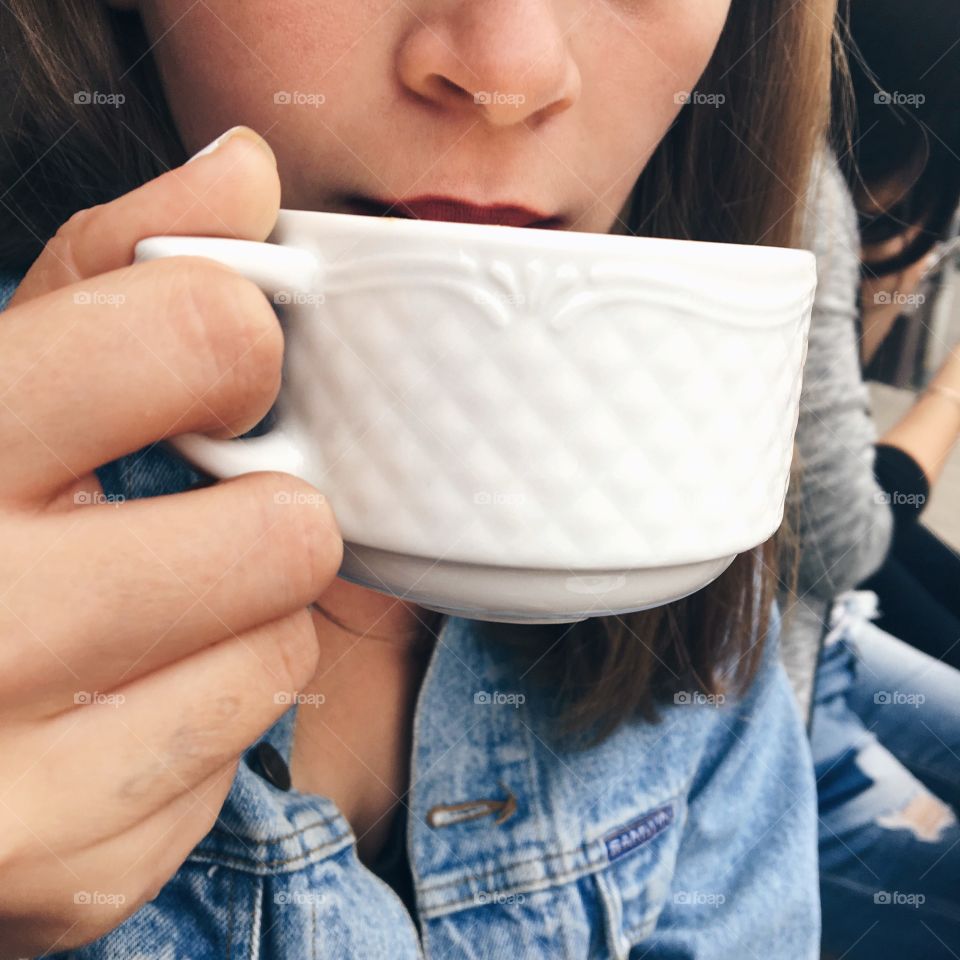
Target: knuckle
220,711
320,539
191,751
65,245
229,327
199,746
298,653
301,521
15,848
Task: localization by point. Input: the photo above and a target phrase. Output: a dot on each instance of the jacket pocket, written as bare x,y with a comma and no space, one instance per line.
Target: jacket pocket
635,883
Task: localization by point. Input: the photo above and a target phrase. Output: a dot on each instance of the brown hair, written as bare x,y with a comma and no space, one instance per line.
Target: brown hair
887,147
734,172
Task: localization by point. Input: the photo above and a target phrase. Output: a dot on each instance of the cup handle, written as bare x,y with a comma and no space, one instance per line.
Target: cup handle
276,270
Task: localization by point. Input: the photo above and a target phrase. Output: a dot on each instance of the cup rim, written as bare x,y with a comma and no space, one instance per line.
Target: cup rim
570,240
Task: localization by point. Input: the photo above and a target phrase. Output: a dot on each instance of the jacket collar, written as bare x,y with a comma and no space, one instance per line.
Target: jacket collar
496,804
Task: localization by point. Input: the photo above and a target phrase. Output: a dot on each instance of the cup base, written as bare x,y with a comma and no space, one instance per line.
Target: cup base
523,595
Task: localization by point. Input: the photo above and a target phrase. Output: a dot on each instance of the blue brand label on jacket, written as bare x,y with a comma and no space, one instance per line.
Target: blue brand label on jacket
637,832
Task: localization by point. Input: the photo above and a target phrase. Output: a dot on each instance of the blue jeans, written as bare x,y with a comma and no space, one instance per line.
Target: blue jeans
886,749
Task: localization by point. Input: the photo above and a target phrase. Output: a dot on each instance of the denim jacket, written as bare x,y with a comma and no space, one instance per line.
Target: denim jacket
694,837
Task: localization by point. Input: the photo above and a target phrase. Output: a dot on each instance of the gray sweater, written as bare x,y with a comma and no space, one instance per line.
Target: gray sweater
844,527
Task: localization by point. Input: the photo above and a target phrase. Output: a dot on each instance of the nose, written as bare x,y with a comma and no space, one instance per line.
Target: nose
503,61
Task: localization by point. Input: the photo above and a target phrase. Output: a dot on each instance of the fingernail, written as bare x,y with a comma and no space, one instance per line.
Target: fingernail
239,131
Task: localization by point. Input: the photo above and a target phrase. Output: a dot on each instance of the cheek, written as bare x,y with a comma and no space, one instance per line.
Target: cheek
649,50
227,61
636,56
672,30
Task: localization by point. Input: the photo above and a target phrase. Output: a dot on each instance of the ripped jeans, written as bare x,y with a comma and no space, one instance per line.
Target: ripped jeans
886,747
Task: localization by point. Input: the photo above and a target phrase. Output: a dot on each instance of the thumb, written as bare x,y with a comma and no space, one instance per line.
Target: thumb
231,188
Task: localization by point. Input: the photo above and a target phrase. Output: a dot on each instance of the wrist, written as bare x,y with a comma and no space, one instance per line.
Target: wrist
945,390
949,373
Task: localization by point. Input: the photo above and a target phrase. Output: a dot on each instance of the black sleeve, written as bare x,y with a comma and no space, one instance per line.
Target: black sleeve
903,480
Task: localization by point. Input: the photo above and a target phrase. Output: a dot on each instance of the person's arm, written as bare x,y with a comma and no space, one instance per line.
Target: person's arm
845,525
920,441
746,877
930,428
834,503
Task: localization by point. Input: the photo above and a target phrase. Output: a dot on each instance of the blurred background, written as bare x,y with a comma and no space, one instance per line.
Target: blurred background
901,160
906,364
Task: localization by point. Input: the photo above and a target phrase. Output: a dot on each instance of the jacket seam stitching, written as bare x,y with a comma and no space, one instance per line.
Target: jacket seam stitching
516,863
547,882
204,856
229,942
283,836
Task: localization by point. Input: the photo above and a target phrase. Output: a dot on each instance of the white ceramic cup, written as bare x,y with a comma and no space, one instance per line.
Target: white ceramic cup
526,425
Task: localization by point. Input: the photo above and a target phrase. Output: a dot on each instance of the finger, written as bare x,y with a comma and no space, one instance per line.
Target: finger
199,198
121,761
148,582
86,489
81,894
173,345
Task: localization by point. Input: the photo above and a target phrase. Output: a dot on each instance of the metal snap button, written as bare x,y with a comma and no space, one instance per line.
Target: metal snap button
448,814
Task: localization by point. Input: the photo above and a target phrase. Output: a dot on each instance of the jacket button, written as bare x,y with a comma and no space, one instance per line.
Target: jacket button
271,766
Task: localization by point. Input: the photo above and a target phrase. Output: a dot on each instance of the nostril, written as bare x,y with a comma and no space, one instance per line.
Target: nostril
444,90
452,87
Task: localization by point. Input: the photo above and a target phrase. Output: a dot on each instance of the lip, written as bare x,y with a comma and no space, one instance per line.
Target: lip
435,207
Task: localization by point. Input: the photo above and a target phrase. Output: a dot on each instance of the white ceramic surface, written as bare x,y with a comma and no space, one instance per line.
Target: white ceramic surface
521,424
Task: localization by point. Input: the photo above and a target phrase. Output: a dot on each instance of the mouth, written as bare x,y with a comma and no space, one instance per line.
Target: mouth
453,209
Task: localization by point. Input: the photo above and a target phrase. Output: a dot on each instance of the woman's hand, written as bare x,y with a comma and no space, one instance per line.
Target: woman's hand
141,643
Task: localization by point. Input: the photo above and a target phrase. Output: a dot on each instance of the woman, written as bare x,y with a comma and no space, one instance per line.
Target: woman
885,725
573,825
901,161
